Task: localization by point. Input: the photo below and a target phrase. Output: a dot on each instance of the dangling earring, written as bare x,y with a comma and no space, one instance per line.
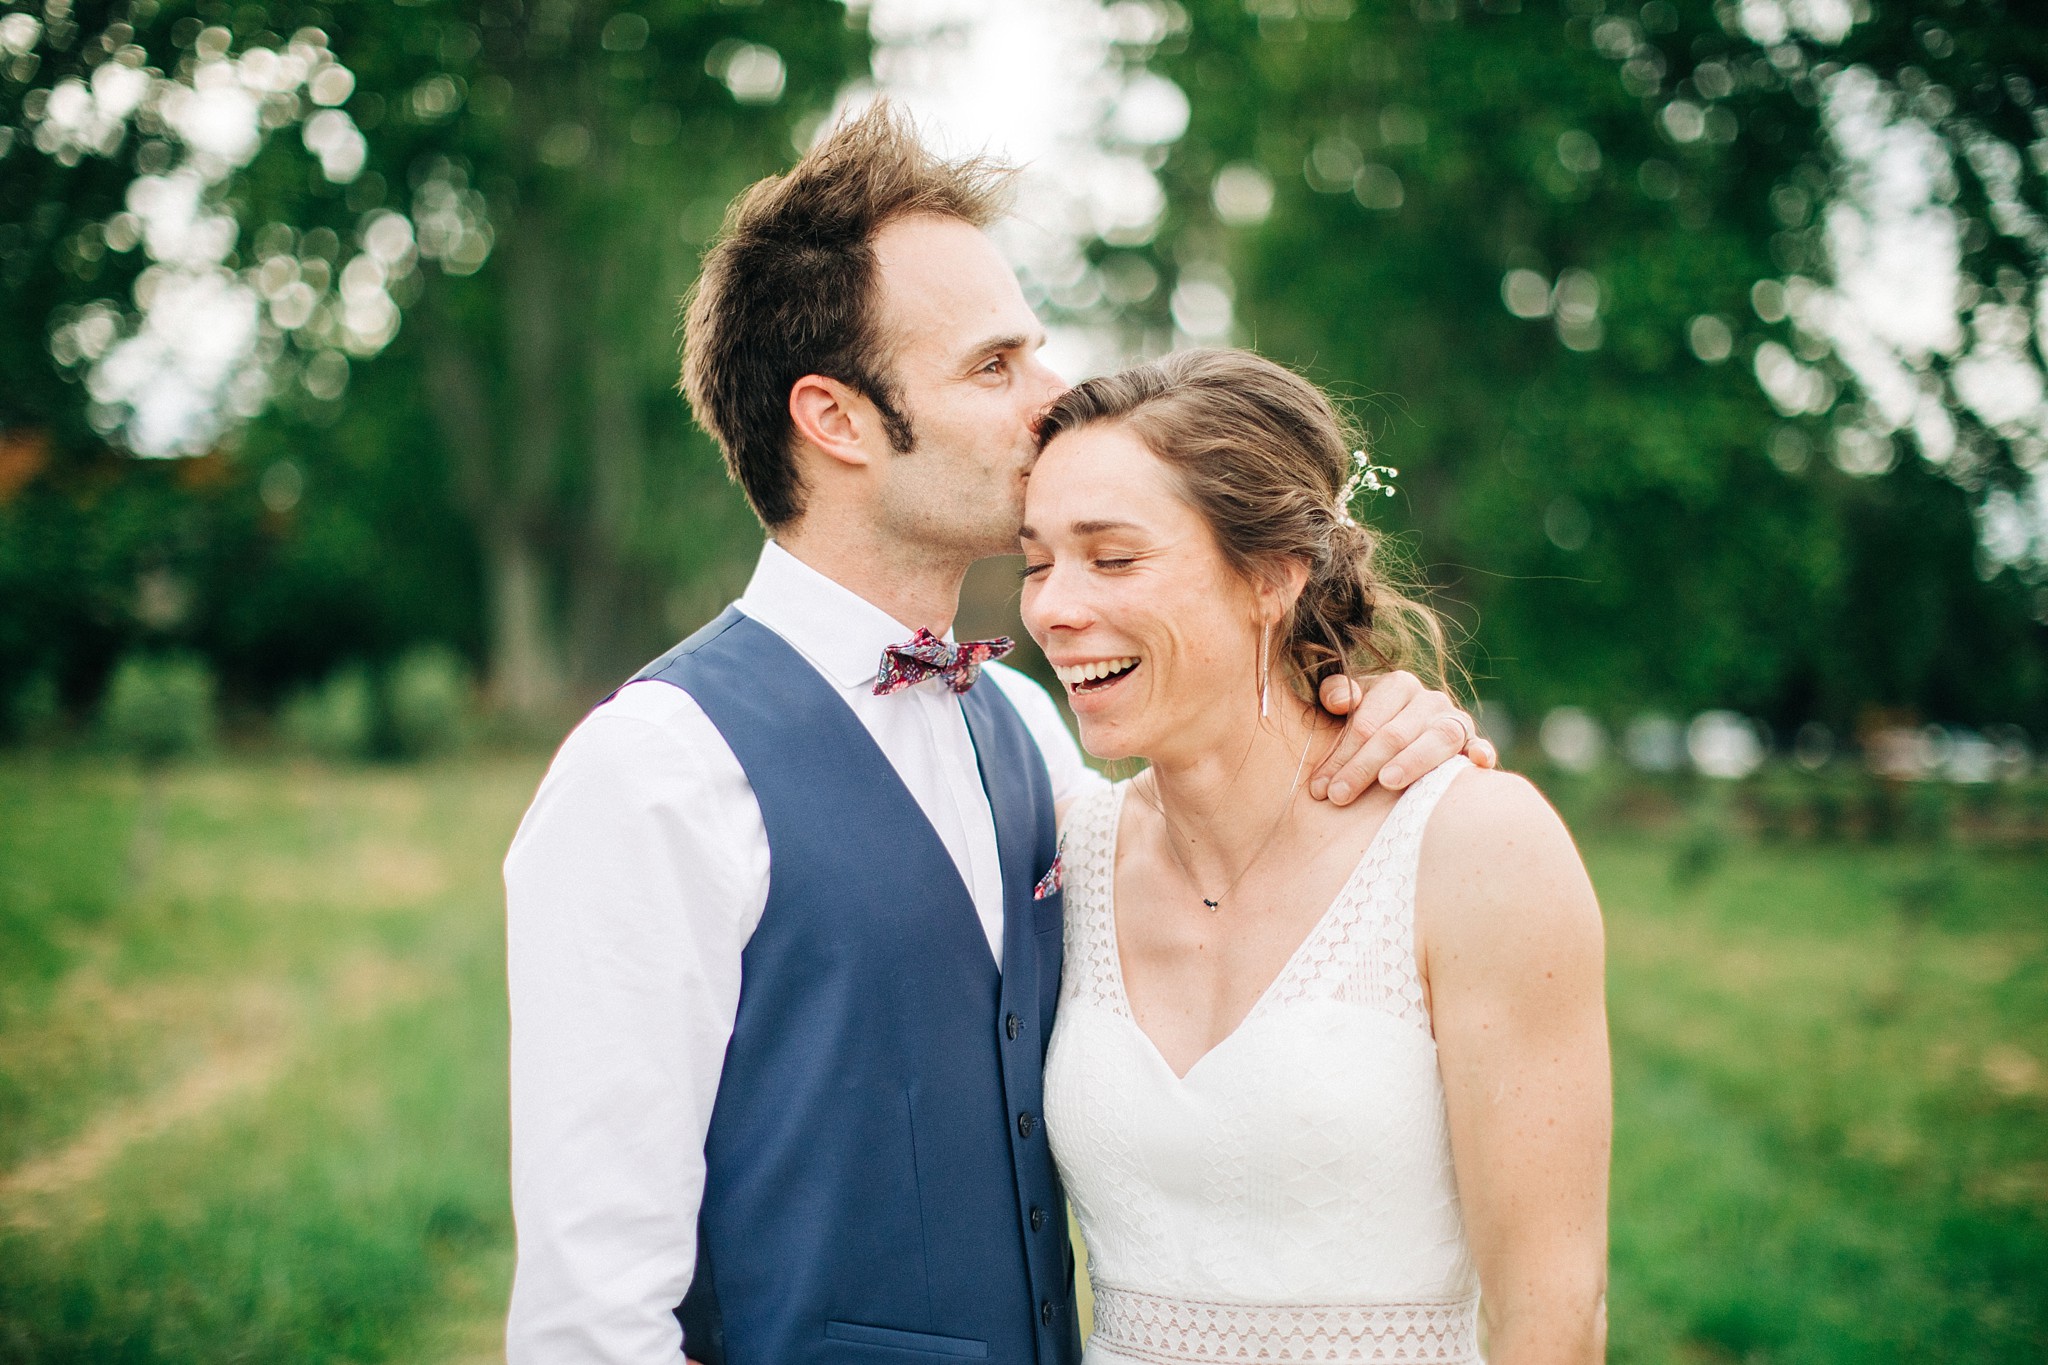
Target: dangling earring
1265,636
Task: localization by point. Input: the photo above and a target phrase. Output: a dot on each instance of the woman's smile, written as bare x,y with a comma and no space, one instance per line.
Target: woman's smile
1097,676
1145,625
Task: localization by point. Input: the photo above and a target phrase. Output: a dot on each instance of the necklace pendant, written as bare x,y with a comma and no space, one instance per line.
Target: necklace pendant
1213,905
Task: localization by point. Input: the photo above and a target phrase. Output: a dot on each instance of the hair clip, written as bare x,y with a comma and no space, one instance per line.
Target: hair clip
1366,477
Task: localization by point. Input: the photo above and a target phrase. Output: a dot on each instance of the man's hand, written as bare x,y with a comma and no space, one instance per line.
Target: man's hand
1399,731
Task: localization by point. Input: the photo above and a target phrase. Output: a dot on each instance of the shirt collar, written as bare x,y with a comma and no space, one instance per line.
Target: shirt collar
839,631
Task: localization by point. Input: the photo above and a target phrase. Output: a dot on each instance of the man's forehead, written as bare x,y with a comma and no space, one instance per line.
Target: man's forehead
944,286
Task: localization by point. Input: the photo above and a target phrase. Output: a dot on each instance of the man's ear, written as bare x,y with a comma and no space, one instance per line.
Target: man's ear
834,418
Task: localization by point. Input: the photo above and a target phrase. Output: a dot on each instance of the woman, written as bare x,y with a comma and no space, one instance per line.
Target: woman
1325,1080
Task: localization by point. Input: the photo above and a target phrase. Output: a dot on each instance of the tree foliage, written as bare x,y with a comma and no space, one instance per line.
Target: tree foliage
1581,268
507,467
1481,224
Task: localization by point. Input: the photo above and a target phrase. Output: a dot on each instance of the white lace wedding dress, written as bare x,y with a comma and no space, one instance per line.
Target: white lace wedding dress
1291,1198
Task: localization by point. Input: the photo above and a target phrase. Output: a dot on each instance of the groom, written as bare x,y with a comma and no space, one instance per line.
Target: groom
784,917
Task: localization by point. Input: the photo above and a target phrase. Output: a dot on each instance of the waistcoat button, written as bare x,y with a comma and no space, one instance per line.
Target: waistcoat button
1038,1220
1045,1312
1025,1123
1013,1026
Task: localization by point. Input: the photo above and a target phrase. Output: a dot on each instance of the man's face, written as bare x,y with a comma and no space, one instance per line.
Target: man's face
968,377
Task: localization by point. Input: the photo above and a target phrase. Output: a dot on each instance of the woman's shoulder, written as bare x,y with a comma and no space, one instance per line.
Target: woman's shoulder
1497,864
1484,807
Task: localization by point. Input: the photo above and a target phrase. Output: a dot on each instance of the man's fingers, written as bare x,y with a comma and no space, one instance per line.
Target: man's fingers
1482,753
1371,709
1441,740
1341,693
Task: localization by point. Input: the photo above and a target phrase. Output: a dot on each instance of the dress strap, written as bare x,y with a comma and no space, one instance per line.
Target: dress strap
1423,793
1364,951
1088,871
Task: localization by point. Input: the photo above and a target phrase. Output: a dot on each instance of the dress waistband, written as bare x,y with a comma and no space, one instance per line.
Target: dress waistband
1156,1327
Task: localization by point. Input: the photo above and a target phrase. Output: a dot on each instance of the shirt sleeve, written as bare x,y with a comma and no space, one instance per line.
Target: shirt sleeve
632,887
1071,775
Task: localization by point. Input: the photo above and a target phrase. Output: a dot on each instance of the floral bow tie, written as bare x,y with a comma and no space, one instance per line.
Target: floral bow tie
925,655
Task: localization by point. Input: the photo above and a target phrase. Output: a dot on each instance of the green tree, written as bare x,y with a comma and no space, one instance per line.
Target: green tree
1481,224
596,146
492,278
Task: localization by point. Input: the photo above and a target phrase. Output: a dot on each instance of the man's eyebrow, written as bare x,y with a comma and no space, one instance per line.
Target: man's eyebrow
1012,341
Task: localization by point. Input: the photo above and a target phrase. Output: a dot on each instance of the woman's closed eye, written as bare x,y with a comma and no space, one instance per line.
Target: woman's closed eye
1106,564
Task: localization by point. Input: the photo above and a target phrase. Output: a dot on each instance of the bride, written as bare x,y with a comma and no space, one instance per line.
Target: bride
1326,1083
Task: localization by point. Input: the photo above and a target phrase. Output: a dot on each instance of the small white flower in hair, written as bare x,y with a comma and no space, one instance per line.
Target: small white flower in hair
1366,477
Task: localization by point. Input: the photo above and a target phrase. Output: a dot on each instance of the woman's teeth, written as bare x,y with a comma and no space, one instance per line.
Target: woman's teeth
1074,675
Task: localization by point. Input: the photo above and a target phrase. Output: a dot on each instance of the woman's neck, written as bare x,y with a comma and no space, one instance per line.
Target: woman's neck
1225,801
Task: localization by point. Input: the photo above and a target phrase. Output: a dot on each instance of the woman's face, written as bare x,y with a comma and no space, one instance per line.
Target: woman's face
1154,637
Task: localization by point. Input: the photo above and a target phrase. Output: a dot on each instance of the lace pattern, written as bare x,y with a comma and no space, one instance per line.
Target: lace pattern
1304,1160
1154,1327
1088,855
1362,952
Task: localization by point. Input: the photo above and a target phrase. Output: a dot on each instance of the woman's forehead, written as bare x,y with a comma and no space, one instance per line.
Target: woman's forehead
1100,478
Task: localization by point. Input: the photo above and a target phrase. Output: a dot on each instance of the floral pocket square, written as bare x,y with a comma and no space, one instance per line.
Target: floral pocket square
1050,883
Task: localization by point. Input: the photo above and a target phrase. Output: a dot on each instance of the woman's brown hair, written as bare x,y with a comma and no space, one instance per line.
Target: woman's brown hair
1265,459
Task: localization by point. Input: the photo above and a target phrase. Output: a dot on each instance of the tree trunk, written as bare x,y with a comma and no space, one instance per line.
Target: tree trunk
526,669
604,611
523,668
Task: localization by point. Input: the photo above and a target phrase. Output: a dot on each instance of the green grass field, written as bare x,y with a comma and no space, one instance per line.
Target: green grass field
252,1079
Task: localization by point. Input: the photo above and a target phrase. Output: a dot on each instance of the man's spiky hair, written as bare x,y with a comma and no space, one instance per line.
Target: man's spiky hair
789,288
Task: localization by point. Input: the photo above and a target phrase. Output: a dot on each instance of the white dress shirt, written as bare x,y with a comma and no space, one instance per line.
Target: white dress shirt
633,885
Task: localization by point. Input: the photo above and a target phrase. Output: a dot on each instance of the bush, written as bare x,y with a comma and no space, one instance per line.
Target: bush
36,712
159,707
427,701
337,719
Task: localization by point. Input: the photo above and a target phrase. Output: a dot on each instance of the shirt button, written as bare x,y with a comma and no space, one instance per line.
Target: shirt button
1013,1026
1025,1123
1045,1312
1038,1220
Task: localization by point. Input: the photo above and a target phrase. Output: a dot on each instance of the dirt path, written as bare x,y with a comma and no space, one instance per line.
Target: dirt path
243,1068
246,1057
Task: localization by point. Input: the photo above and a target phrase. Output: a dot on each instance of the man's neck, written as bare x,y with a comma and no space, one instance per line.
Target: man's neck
915,587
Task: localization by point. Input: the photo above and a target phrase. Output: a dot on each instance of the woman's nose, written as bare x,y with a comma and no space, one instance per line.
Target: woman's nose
1050,603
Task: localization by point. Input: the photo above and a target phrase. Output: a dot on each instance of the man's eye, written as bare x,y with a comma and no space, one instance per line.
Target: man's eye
1114,563
994,366
1033,570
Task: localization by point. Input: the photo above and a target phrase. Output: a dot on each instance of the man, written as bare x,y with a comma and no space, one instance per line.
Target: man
783,920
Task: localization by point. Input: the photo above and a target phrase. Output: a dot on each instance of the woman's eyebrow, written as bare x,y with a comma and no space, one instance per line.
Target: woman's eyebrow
1083,528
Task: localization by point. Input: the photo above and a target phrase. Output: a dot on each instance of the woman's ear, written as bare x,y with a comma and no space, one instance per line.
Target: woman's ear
1279,587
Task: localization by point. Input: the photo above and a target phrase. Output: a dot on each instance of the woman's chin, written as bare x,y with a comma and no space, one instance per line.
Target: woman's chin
1106,742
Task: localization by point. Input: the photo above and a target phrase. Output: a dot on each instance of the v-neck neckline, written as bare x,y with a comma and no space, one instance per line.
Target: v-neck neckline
1316,930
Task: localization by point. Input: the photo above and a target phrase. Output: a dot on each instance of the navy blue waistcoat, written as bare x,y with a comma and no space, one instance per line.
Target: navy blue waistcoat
878,1184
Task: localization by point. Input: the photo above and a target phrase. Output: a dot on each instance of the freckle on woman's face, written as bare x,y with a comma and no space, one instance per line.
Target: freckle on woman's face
1121,569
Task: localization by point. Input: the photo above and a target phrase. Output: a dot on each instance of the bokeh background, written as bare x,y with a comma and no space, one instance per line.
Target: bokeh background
341,467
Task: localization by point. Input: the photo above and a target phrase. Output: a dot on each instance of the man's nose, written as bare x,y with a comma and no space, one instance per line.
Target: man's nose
1050,385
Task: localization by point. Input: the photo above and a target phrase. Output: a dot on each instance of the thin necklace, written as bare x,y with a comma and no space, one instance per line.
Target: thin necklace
1174,834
